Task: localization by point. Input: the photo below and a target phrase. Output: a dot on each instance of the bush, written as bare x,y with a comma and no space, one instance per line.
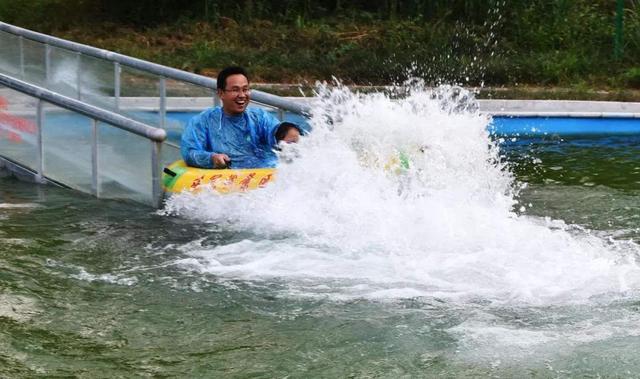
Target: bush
555,42
631,77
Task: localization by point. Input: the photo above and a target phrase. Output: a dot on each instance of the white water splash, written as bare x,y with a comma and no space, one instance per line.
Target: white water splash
347,218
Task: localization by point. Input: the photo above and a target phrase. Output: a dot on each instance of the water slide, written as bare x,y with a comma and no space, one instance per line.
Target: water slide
60,138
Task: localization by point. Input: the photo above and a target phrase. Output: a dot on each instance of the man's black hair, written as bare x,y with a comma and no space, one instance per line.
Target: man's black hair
227,72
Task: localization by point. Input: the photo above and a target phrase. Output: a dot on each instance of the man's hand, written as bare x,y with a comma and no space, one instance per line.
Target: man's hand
220,160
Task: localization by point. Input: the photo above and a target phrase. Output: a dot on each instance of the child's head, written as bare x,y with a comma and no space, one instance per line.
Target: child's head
288,133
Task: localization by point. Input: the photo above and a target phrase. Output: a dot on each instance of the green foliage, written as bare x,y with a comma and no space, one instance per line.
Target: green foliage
492,42
631,77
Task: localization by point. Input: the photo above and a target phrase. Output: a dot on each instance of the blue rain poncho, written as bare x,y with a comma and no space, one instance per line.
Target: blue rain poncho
248,139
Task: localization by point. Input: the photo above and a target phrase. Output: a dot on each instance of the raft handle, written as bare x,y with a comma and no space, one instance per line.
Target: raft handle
169,172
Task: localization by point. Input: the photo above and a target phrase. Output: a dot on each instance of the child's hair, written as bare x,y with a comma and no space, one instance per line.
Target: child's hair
283,129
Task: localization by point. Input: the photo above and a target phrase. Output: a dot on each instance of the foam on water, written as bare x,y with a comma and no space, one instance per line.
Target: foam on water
19,205
402,198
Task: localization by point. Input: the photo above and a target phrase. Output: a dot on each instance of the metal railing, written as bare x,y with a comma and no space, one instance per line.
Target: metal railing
116,112
155,135
163,71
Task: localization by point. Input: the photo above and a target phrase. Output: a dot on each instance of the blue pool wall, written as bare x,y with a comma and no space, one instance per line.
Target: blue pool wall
535,118
509,118
529,126
528,118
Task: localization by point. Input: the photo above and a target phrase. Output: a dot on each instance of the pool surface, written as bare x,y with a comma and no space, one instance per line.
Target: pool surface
503,255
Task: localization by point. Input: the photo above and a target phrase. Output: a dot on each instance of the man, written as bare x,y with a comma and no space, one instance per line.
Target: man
233,136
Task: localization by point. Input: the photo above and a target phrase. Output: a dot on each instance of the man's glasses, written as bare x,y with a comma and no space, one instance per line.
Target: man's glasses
237,91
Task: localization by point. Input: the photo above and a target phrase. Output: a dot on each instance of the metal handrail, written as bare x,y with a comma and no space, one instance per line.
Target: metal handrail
125,123
155,135
154,68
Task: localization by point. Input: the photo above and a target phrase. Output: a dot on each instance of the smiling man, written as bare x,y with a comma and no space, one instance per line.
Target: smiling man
234,136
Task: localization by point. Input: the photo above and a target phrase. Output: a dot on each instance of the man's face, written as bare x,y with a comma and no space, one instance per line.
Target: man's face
236,95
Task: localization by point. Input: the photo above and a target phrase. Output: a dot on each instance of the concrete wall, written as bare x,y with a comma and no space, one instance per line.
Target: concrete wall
545,108
560,108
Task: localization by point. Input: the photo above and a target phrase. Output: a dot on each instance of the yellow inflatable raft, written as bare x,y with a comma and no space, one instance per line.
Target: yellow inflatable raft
179,177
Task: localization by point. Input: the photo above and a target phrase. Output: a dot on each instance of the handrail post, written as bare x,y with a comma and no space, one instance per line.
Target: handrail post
21,44
163,100
79,74
94,158
116,84
156,189
39,148
216,99
47,65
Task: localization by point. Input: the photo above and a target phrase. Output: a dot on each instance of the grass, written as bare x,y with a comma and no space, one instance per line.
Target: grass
538,49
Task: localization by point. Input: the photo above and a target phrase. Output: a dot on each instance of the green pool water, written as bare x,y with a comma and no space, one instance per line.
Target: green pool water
94,288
